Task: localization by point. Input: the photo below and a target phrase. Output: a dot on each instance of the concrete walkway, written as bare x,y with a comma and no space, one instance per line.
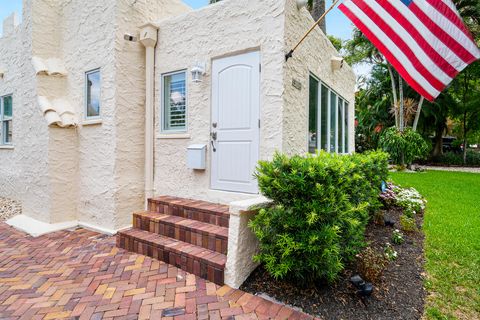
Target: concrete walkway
456,169
82,275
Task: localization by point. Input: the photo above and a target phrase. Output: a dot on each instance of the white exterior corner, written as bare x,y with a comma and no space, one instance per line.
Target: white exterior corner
242,242
37,228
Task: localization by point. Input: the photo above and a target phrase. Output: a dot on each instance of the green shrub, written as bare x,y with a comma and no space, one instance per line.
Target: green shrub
397,237
321,205
371,264
404,147
408,224
456,159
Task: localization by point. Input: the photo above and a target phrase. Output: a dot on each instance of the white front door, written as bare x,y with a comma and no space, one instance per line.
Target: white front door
235,122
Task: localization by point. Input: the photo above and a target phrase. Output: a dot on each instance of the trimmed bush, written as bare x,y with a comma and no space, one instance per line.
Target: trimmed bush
404,147
321,205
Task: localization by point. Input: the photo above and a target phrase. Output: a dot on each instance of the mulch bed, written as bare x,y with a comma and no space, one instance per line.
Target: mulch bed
398,294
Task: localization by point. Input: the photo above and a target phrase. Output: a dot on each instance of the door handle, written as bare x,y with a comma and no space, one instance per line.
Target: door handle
214,138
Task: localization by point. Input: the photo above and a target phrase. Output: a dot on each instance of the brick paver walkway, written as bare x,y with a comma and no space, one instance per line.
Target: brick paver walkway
82,275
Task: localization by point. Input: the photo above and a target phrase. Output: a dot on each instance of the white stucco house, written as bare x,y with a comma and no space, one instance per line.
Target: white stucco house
104,104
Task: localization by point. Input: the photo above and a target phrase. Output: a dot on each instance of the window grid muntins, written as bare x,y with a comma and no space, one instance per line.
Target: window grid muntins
332,118
6,119
175,102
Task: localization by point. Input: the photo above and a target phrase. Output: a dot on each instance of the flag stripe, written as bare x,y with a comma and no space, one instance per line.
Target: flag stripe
448,28
424,40
451,15
404,41
443,50
451,6
422,88
449,67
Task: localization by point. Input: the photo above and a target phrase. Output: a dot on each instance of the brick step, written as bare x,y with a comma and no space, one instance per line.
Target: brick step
202,234
203,211
202,262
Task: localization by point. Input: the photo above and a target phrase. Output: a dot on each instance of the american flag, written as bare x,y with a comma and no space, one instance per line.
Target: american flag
426,41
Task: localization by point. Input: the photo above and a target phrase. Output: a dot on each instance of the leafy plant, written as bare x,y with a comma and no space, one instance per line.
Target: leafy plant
410,200
379,217
390,252
321,206
408,224
404,147
397,237
371,264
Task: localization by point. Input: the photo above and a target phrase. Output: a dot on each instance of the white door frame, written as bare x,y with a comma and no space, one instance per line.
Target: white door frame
235,135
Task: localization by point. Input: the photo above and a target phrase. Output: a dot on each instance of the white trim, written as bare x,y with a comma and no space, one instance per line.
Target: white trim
37,228
6,147
85,111
162,103
3,138
329,122
174,136
336,122
92,122
92,227
319,123
345,116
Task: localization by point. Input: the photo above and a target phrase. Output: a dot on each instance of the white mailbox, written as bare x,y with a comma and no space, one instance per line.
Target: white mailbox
196,156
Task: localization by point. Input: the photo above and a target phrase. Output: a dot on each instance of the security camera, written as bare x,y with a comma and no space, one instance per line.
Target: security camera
129,37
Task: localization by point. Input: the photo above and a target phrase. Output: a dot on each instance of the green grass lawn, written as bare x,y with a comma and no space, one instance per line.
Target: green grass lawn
452,245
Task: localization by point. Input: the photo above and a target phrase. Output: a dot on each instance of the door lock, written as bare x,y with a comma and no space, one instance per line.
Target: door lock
214,138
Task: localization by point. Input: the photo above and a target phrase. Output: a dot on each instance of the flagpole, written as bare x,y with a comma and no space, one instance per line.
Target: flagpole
290,54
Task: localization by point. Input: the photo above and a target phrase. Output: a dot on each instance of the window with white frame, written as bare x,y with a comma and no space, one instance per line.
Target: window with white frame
6,118
174,105
92,94
327,118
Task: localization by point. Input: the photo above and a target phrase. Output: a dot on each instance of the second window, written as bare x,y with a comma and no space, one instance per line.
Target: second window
174,106
328,119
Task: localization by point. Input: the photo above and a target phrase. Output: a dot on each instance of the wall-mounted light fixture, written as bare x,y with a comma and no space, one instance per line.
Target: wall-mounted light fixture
198,71
301,4
337,63
2,73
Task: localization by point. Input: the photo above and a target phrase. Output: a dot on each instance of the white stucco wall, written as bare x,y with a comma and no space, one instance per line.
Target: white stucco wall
23,169
225,28
93,173
312,57
130,103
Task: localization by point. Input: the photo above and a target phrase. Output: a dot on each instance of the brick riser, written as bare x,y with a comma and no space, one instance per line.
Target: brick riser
204,264
190,209
189,234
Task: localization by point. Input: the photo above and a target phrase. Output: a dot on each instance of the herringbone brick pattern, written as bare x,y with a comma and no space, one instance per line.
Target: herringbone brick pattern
82,275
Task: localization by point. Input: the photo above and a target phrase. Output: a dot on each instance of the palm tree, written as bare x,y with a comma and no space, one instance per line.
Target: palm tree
317,8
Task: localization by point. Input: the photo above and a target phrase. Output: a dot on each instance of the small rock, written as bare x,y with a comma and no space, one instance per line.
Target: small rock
9,208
